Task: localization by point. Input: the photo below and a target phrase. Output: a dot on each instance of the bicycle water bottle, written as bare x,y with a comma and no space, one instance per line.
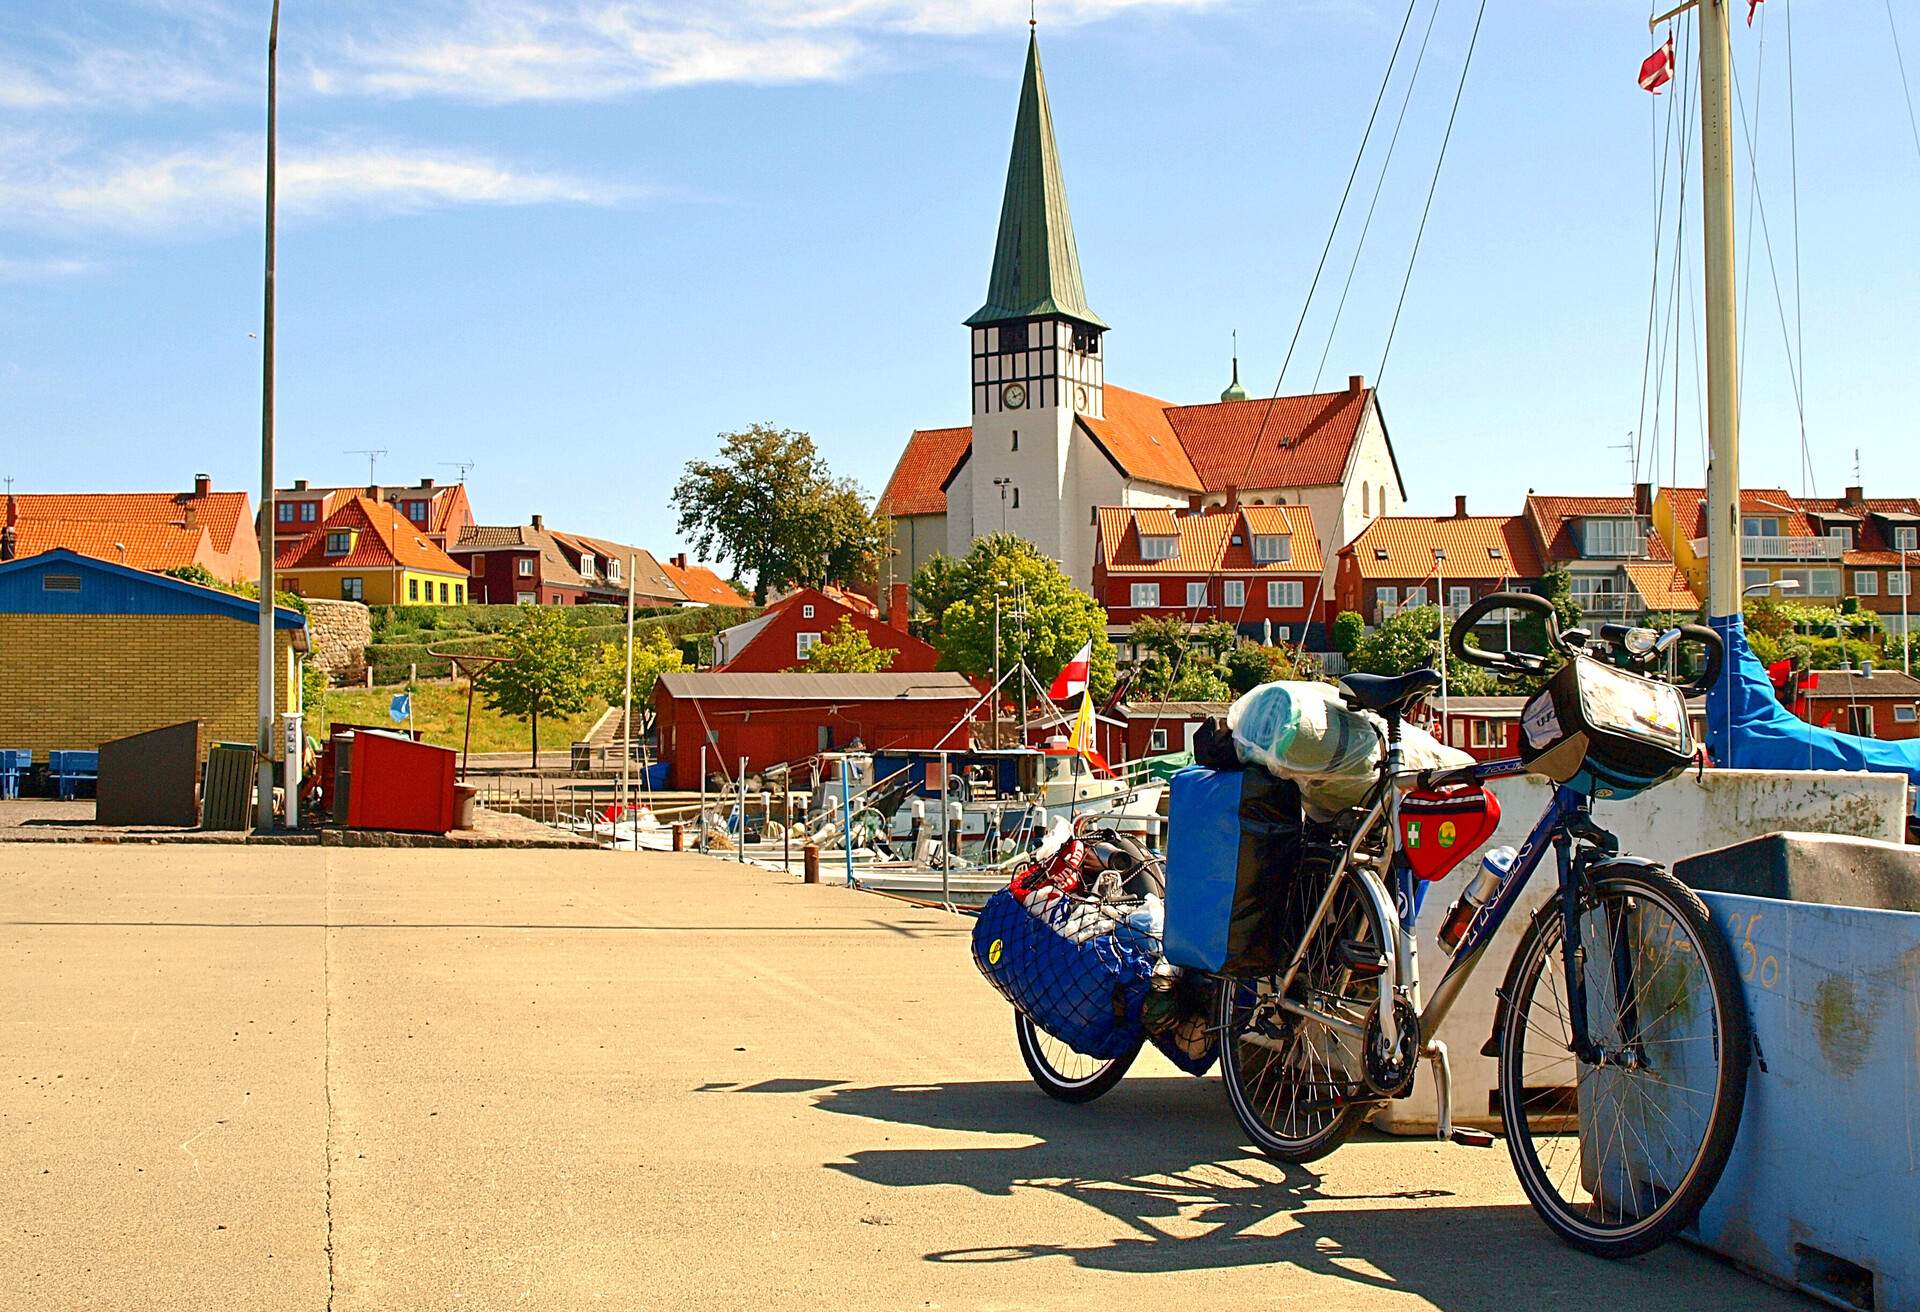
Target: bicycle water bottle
1478,891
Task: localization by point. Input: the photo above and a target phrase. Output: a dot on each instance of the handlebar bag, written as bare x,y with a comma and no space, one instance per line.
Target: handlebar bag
1233,840
1604,732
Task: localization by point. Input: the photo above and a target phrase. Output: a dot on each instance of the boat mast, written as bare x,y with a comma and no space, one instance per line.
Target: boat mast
1723,391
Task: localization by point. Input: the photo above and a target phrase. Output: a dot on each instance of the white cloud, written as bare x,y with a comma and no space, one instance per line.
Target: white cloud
596,49
160,192
38,269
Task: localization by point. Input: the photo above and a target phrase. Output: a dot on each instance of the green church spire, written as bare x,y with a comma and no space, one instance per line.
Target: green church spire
1036,270
1234,391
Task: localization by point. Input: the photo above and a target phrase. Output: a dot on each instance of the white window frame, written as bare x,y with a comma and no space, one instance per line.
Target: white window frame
1416,597
353,588
524,599
1842,533
1196,593
1904,715
1482,733
526,567
1159,546
1897,583
1760,526
613,569
1233,592
1143,596
806,612
1278,591
1749,577
1906,538
309,512
1387,602
1458,599
804,643
1272,548
1157,741
345,540
1866,583
587,564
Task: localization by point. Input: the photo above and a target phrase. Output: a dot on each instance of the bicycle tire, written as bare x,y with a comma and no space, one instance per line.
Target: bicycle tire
1064,1085
1625,888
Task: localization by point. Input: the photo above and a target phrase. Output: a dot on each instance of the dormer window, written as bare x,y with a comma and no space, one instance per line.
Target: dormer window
1159,546
339,543
309,511
586,564
1271,548
1843,534
1611,537
613,571
417,511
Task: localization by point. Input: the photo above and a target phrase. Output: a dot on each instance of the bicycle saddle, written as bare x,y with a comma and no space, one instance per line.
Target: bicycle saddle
1389,694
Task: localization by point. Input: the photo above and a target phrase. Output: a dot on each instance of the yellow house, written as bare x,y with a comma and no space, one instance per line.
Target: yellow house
1777,541
366,551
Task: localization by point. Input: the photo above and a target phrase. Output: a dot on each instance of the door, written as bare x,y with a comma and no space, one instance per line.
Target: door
1860,720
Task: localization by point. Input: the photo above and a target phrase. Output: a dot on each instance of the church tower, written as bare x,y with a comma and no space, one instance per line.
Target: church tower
1036,357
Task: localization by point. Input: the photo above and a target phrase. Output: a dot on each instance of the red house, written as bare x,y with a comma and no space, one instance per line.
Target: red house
1256,567
1871,703
773,718
522,564
782,636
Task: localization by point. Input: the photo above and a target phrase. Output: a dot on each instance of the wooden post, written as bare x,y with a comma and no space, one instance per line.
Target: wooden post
810,858
679,837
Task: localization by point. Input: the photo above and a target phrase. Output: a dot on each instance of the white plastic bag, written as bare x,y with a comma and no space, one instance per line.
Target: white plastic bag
1301,731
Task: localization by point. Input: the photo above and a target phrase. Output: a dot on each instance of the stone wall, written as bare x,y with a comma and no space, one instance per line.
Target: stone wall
340,632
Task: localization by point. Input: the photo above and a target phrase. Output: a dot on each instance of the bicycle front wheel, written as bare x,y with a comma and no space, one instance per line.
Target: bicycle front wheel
1618,1149
1063,1073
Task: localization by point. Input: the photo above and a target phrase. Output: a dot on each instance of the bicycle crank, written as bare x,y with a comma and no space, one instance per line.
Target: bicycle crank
1391,1072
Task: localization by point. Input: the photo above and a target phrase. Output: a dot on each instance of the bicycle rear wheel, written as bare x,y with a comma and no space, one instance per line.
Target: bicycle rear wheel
1060,1071
1618,1152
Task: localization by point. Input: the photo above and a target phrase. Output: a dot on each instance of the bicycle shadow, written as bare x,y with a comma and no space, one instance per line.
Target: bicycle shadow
1166,1161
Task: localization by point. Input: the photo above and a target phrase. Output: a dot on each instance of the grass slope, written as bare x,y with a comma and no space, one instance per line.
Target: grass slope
440,711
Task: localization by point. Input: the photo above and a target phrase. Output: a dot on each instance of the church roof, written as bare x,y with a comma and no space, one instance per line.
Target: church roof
1286,441
1036,268
918,485
1136,434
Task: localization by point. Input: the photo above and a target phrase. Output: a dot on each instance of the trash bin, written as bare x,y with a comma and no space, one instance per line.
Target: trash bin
464,804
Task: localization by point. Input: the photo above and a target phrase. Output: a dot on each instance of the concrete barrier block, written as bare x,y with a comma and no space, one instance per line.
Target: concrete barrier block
1824,868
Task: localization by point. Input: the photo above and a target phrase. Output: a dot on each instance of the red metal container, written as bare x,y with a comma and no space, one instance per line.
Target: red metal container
398,784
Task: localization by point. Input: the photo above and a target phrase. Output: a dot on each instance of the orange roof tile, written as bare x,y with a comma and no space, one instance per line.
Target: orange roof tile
1293,441
918,485
702,585
1553,516
1402,547
146,546
1662,587
1212,542
1137,436
1690,509
385,538
220,513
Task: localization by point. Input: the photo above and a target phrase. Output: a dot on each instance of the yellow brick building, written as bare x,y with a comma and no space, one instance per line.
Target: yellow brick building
92,651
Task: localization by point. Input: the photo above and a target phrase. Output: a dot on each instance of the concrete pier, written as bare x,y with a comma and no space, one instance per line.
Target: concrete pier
309,1078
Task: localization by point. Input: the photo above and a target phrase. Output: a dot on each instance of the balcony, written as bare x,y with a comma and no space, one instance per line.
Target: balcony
1611,604
1779,548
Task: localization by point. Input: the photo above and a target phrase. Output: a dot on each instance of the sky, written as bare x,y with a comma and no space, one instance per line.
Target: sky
572,241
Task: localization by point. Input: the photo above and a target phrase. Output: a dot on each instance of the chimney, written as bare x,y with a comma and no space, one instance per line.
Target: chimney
202,484
540,521
426,482
1356,383
1643,498
680,560
1233,496
299,485
6,543
373,492
898,606
1460,506
1856,495
1196,501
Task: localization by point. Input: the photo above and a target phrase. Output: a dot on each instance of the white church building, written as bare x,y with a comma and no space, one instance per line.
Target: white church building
1052,439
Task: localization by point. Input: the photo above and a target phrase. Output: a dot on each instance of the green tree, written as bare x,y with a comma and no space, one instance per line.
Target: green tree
1201,683
1349,627
654,653
1411,641
1045,619
847,650
552,668
1249,665
770,506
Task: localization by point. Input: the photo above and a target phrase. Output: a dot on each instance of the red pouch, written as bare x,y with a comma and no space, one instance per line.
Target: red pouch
1441,827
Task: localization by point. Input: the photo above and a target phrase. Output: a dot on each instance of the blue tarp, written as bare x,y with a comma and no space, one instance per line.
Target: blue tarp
1748,728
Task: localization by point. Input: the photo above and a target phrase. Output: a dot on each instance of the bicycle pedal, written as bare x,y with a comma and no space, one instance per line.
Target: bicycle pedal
1468,1138
1363,959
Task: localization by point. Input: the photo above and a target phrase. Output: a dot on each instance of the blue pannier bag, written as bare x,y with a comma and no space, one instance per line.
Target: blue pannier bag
1233,840
1087,995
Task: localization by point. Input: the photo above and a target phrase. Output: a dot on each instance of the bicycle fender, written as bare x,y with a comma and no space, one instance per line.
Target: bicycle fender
1550,908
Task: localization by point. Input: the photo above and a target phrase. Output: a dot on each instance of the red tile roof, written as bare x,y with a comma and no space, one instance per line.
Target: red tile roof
1690,509
1294,441
1137,435
1213,542
702,585
1871,546
147,546
1402,546
385,538
1553,516
919,480
1662,587
448,510
220,513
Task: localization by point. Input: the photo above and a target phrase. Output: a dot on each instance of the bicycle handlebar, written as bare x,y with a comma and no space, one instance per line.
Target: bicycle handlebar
1575,642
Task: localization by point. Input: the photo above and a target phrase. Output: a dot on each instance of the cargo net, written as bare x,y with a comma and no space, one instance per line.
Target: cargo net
1079,968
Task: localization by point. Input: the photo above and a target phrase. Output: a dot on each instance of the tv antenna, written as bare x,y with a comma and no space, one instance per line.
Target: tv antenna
462,465
372,454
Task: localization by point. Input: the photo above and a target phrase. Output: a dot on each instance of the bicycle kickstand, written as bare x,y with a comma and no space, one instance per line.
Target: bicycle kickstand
1444,1128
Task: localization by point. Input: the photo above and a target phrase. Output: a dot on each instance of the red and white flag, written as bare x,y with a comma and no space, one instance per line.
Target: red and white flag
1072,679
1657,69
1751,6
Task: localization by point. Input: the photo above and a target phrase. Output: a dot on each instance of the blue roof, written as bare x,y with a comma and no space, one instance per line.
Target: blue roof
100,587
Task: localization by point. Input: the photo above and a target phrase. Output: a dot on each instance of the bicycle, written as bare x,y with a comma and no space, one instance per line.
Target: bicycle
1620,1030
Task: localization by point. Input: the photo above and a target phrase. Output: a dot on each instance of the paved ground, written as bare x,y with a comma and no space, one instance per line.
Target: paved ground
42,820
310,1077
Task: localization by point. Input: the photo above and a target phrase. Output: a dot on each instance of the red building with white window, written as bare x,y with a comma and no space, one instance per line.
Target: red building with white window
1256,567
782,637
440,511
1400,562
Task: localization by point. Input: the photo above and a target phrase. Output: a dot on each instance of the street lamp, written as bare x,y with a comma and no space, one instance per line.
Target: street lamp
1002,484
1784,585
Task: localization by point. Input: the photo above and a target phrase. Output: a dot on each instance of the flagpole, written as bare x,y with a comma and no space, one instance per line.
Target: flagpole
626,724
263,806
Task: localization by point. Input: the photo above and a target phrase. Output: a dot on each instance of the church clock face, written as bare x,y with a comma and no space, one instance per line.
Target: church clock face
1014,396
1079,398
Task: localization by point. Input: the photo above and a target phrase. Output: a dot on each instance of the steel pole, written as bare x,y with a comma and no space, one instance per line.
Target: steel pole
626,721
1723,393
263,805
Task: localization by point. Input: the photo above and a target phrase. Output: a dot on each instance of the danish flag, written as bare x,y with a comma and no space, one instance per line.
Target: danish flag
1072,679
1657,69
1751,6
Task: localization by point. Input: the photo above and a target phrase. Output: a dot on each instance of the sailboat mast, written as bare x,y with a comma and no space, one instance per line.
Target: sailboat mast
1723,390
